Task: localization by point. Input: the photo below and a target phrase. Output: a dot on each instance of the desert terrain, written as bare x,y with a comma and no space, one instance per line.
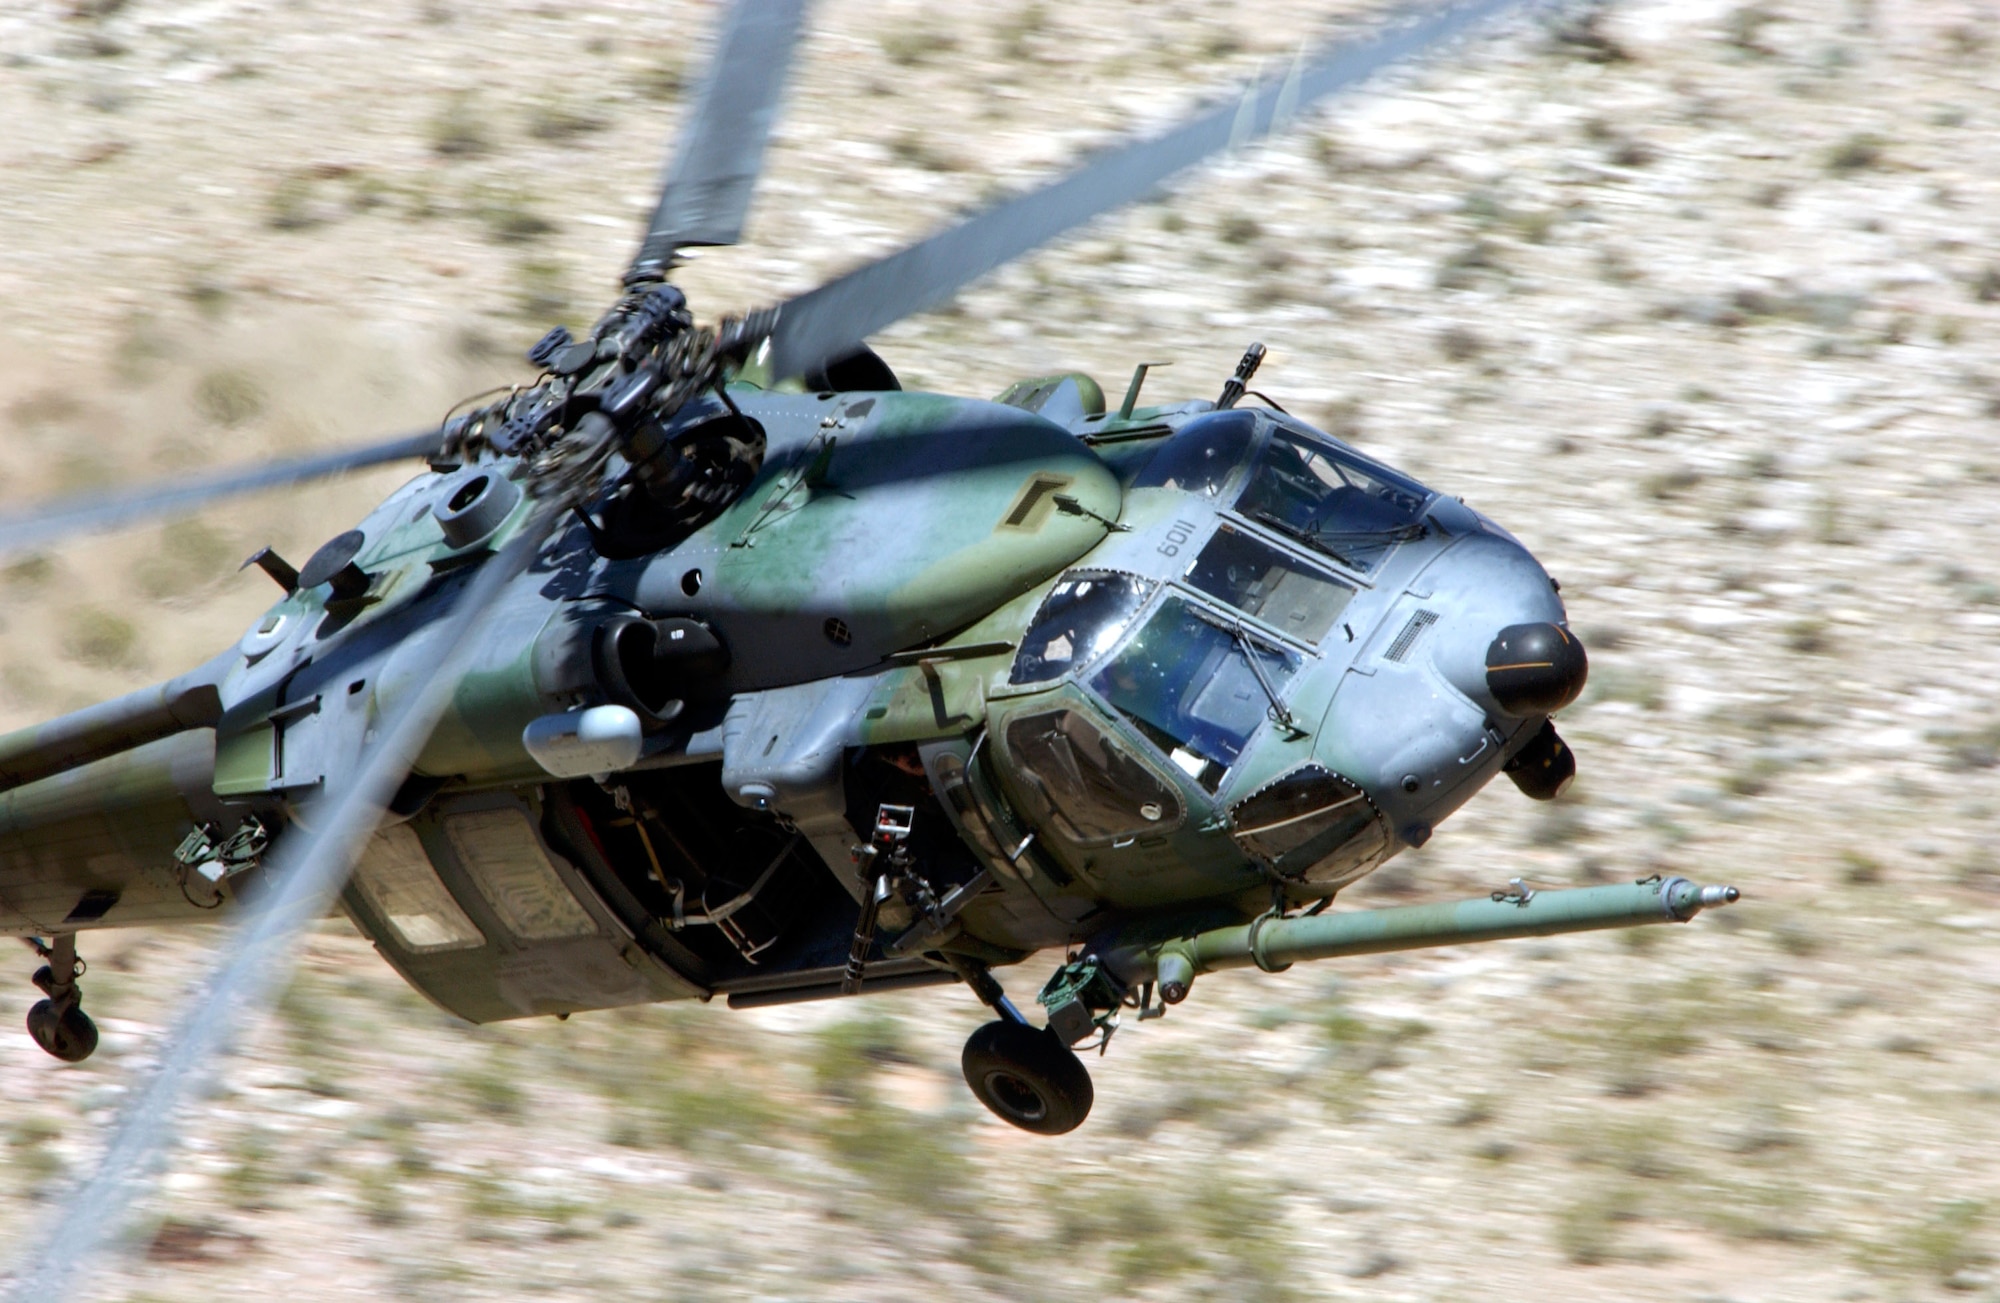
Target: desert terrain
1701,299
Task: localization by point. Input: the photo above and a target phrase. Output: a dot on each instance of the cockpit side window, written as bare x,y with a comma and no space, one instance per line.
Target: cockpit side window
1259,580
1202,455
1312,825
1184,679
1086,785
1079,620
1331,501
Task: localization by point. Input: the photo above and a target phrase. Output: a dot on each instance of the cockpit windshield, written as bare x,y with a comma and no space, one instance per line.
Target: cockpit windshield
1184,679
1332,502
1080,618
1202,455
1276,587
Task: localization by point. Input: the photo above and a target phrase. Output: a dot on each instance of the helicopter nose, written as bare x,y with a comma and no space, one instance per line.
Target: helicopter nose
1502,636
1535,669
1486,619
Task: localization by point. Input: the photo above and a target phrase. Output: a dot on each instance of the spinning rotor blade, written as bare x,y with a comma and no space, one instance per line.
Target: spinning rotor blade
306,874
829,321
94,511
721,150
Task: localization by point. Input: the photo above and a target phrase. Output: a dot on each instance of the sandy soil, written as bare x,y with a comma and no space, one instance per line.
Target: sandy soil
1705,308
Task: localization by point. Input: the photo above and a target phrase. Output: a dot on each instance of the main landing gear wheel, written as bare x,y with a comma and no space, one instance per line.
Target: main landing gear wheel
1028,1077
59,1024
69,1035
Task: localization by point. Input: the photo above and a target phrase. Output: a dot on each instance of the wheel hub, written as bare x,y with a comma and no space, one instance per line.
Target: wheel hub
1017,1096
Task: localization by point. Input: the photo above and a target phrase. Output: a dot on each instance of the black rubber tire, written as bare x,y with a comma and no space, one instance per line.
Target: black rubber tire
71,1037
1027,1077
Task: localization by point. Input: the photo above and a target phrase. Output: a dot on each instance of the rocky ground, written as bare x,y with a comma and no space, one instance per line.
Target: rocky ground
1702,300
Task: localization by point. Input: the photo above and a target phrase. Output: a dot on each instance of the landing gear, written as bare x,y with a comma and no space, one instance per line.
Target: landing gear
1028,1077
1025,1074
70,1035
59,1024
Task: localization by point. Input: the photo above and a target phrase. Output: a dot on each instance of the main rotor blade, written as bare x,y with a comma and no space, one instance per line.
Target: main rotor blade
721,150
108,510
829,321
306,875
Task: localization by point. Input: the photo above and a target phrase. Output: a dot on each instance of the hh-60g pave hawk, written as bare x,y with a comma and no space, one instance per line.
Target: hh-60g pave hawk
712,662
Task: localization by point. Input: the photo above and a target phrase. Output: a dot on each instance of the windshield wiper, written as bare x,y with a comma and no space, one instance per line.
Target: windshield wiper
1318,539
1310,537
1279,715
1393,533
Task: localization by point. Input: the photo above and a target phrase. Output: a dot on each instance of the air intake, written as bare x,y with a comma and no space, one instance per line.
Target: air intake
1406,641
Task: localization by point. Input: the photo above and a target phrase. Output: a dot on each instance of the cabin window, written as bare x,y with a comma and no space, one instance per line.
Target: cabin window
501,853
1084,784
1202,455
1079,620
395,877
1185,679
1332,501
1312,825
1258,579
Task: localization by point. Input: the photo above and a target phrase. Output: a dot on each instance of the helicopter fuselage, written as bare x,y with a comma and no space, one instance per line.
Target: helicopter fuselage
1177,664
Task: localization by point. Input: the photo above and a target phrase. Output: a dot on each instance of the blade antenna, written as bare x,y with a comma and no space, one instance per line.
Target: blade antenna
307,874
828,321
714,167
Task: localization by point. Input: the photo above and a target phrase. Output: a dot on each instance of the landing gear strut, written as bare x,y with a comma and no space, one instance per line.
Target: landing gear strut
1024,1074
59,1024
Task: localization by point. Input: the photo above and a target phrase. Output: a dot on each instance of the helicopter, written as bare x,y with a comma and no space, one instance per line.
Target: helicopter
712,662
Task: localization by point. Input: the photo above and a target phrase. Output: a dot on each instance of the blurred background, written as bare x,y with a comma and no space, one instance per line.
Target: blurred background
1701,299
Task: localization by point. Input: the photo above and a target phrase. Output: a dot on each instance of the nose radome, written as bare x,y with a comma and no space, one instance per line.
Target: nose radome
1535,669
1481,586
